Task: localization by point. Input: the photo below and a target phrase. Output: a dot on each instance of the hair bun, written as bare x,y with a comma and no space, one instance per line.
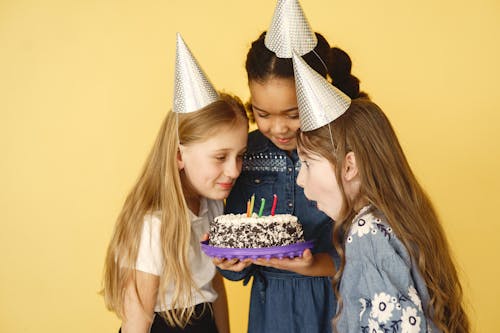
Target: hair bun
340,71
340,64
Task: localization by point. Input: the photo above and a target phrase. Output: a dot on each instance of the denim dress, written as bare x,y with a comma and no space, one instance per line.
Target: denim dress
381,289
283,301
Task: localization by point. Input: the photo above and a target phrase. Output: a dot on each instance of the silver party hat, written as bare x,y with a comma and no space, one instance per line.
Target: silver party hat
318,100
192,89
289,31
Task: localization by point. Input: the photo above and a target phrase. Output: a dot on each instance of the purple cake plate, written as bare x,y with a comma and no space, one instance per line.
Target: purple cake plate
287,251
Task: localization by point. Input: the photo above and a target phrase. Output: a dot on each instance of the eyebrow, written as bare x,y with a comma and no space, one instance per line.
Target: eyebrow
223,150
308,155
294,108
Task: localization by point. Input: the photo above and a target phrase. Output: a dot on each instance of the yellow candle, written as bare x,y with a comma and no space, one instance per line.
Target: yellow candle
252,201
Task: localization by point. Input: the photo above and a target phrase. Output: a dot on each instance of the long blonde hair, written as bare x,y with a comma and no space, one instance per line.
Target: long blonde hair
159,188
389,184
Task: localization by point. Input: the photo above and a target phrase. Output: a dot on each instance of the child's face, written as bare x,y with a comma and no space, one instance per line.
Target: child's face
212,166
317,177
274,104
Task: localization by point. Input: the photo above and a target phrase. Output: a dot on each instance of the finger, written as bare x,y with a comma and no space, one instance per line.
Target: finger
229,262
217,261
241,265
307,256
307,253
261,262
204,237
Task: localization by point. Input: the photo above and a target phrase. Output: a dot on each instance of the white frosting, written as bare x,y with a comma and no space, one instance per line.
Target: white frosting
235,219
240,231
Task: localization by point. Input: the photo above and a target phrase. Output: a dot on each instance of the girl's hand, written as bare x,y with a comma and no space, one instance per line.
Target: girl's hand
234,265
298,264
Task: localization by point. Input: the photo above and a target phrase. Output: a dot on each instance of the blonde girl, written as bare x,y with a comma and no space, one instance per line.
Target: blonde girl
156,278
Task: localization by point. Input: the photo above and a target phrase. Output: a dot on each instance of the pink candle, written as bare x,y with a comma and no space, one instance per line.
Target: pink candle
273,207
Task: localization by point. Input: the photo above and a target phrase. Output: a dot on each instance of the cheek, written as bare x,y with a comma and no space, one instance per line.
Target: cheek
262,124
293,124
313,186
205,170
328,187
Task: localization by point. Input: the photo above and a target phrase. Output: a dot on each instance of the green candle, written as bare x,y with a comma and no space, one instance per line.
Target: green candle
262,204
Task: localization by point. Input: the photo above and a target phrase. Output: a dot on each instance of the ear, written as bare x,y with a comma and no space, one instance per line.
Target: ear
350,168
180,161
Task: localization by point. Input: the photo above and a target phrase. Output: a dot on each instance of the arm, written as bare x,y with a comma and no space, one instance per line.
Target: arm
221,313
384,282
138,317
319,264
389,300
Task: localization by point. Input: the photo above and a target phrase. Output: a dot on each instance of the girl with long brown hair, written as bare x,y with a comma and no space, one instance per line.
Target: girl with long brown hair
396,272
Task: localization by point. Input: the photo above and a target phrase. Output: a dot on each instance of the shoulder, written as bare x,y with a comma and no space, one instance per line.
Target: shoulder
366,226
152,220
257,142
371,234
151,226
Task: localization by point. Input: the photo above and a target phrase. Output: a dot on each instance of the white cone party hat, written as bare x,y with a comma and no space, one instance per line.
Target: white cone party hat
289,31
318,100
192,89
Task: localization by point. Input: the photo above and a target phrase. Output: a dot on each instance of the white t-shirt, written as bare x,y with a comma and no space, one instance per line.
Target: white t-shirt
150,256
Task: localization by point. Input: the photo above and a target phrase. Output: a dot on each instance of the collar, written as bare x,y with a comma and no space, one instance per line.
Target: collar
363,211
258,143
203,211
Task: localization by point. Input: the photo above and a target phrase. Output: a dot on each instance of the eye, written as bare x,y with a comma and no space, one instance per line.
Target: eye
262,115
220,157
293,116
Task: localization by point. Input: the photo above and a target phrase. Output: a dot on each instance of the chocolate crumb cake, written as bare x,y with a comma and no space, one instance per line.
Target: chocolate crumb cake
240,231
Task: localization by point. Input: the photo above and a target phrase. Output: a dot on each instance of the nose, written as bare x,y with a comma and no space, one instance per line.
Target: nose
300,177
233,168
279,126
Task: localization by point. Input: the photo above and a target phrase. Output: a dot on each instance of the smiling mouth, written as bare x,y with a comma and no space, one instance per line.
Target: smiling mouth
283,140
226,186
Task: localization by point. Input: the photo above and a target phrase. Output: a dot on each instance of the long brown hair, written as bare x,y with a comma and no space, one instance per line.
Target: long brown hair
388,183
159,189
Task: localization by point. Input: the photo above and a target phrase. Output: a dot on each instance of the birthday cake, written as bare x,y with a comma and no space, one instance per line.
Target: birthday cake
241,231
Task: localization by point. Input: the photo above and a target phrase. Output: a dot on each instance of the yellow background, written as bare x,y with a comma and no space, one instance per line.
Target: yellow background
85,84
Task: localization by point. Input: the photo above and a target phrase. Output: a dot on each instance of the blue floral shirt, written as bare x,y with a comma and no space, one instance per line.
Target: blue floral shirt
381,289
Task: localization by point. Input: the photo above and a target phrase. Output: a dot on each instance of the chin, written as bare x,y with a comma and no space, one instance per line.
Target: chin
221,195
287,146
